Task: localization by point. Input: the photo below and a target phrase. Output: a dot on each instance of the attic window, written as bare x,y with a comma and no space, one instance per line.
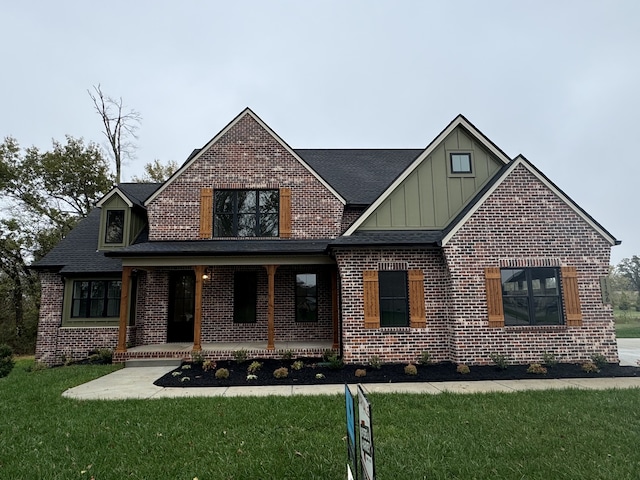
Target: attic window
460,162
114,232
245,213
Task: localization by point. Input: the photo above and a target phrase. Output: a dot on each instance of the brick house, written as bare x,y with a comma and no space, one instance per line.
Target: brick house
455,249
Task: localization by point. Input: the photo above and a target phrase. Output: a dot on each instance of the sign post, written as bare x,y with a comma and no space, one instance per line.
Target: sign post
366,436
352,462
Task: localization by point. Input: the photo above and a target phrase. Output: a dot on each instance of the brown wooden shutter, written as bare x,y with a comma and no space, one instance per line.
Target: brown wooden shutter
206,212
285,212
571,297
416,299
371,299
493,285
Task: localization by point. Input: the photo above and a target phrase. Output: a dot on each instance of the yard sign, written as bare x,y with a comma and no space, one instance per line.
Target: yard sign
352,462
366,436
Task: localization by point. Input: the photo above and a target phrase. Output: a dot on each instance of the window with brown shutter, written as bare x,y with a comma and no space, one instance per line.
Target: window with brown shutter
494,297
371,299
416,299
285,212
206,212
571,296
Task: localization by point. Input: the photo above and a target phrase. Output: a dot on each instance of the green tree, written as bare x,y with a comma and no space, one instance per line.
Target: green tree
630,269
43,195
623,303
156,172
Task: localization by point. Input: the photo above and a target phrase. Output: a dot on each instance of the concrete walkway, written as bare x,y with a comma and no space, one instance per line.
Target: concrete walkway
137,382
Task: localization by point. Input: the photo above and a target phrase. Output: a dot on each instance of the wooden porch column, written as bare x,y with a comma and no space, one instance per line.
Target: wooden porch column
197,314
124,309
334,309
271,306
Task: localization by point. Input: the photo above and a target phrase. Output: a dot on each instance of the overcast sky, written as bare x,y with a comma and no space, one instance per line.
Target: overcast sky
557,81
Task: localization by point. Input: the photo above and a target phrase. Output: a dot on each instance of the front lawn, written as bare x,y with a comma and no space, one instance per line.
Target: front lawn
627,323
533,435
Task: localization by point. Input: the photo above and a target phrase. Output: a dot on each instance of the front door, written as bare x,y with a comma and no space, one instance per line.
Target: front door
181,306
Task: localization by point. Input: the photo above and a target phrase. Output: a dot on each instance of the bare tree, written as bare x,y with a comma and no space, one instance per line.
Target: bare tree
119,126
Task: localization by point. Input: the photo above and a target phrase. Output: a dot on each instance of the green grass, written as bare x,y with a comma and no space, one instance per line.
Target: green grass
627,323
532,435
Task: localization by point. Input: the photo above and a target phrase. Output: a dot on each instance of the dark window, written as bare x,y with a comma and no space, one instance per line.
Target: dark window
245,293
115,227
460,162
531,296
245,213
392,286
306,297
96,298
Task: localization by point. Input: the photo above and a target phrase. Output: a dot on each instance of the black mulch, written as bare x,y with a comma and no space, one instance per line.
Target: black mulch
314,372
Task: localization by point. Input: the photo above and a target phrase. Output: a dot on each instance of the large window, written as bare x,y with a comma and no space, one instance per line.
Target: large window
531,296
245,213
393,298
96,298
245,294
306,297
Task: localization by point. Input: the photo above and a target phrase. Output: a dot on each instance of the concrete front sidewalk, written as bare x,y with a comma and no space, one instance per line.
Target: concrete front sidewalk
137,382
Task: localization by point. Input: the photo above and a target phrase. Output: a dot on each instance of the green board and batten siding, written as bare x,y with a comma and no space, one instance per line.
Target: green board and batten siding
431,195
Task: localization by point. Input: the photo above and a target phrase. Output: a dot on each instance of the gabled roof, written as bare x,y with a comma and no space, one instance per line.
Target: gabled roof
134,194
473,206
196,154
359,175
459,121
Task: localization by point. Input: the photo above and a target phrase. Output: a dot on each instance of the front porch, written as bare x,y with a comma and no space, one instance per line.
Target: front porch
225,350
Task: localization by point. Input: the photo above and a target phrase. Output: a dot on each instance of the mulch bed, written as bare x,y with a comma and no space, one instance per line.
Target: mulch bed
315,372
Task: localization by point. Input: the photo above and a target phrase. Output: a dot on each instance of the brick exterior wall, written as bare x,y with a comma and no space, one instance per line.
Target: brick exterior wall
393,344
246,156
524,224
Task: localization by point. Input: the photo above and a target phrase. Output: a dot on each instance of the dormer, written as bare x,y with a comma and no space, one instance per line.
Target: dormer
121,220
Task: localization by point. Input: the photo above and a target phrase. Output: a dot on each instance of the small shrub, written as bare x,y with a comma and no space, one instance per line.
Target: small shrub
101,355
185,379
36,367
319,376
222,374
410,369
335,362
375,362
327,354
590,367
6,360
282,372
537,369
361,372
251,377
254,367
549,359
208,365
599,360
186,366
197,358
425,358
240,356
176,373
463,369
499,360
297,365
287,355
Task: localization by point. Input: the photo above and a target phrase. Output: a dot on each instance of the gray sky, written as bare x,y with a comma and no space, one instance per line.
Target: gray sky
554,80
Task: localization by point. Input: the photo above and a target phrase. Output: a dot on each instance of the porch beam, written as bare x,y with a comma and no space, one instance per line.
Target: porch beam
334,309
197,314
271,306
124,309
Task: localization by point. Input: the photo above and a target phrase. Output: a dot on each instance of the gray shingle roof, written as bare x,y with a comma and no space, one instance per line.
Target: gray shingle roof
359,175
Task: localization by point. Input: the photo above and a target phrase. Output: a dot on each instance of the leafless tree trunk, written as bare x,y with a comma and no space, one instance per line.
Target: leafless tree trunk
119,126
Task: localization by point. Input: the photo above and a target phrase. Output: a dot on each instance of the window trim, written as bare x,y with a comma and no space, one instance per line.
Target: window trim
297,297
453,173
531,296
381,297
67,307
235,214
